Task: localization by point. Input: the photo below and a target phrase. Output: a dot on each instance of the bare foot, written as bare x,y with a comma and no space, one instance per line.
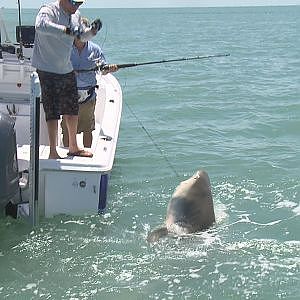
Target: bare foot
81,153
54,155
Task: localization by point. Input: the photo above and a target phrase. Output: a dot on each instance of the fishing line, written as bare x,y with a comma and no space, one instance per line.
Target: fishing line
129,65
152,139
102,44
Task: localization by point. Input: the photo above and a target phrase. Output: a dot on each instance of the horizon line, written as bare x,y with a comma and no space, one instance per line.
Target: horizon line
179,6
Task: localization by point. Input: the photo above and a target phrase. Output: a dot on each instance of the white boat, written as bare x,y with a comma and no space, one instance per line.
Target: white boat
73,185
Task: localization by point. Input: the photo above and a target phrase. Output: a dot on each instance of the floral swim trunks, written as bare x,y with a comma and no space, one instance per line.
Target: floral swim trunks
59,94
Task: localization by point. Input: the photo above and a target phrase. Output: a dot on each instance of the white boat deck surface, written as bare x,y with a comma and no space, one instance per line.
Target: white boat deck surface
100,162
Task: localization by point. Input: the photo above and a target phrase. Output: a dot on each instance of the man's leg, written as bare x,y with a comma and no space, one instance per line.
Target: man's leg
87,139
65,132
86,121
66,139
71,122
52,133
70,109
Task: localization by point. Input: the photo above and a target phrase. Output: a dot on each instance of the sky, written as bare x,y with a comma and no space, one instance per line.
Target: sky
154,3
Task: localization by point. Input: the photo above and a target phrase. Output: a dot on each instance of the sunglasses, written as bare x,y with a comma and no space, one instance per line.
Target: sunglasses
75,3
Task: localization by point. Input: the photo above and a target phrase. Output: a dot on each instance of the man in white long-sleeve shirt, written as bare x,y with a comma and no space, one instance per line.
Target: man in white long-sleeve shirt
57,24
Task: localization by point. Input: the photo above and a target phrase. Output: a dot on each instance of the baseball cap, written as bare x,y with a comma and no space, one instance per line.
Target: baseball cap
78,2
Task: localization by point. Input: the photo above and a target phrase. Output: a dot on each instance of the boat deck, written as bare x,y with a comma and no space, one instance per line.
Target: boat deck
100,162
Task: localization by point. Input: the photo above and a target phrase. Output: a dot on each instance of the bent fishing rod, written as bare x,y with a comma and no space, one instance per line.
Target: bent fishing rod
130,65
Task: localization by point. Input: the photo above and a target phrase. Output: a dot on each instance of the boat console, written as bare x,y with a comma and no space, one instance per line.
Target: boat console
26,35
24,43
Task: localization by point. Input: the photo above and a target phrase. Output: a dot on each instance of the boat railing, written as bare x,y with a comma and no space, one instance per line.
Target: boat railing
35,96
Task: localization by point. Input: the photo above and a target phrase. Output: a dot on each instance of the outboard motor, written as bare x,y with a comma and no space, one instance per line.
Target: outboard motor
9,175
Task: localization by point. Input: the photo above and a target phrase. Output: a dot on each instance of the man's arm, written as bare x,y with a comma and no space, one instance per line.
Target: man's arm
90,32
45,25
104,67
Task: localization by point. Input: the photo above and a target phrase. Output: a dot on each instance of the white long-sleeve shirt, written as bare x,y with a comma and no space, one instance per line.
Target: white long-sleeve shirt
52,46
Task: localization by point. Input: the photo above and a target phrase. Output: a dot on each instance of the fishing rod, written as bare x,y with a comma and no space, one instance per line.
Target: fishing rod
20,32
130,65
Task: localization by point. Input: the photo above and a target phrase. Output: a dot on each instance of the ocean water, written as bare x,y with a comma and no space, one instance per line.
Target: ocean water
237,117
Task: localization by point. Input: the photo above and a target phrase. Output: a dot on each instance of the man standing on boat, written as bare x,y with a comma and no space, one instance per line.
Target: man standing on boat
57,24
86,56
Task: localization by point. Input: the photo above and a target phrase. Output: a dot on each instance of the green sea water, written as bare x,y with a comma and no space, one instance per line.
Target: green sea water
237,117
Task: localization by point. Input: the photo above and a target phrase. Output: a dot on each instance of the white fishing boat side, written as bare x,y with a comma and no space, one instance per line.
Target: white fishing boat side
73,185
